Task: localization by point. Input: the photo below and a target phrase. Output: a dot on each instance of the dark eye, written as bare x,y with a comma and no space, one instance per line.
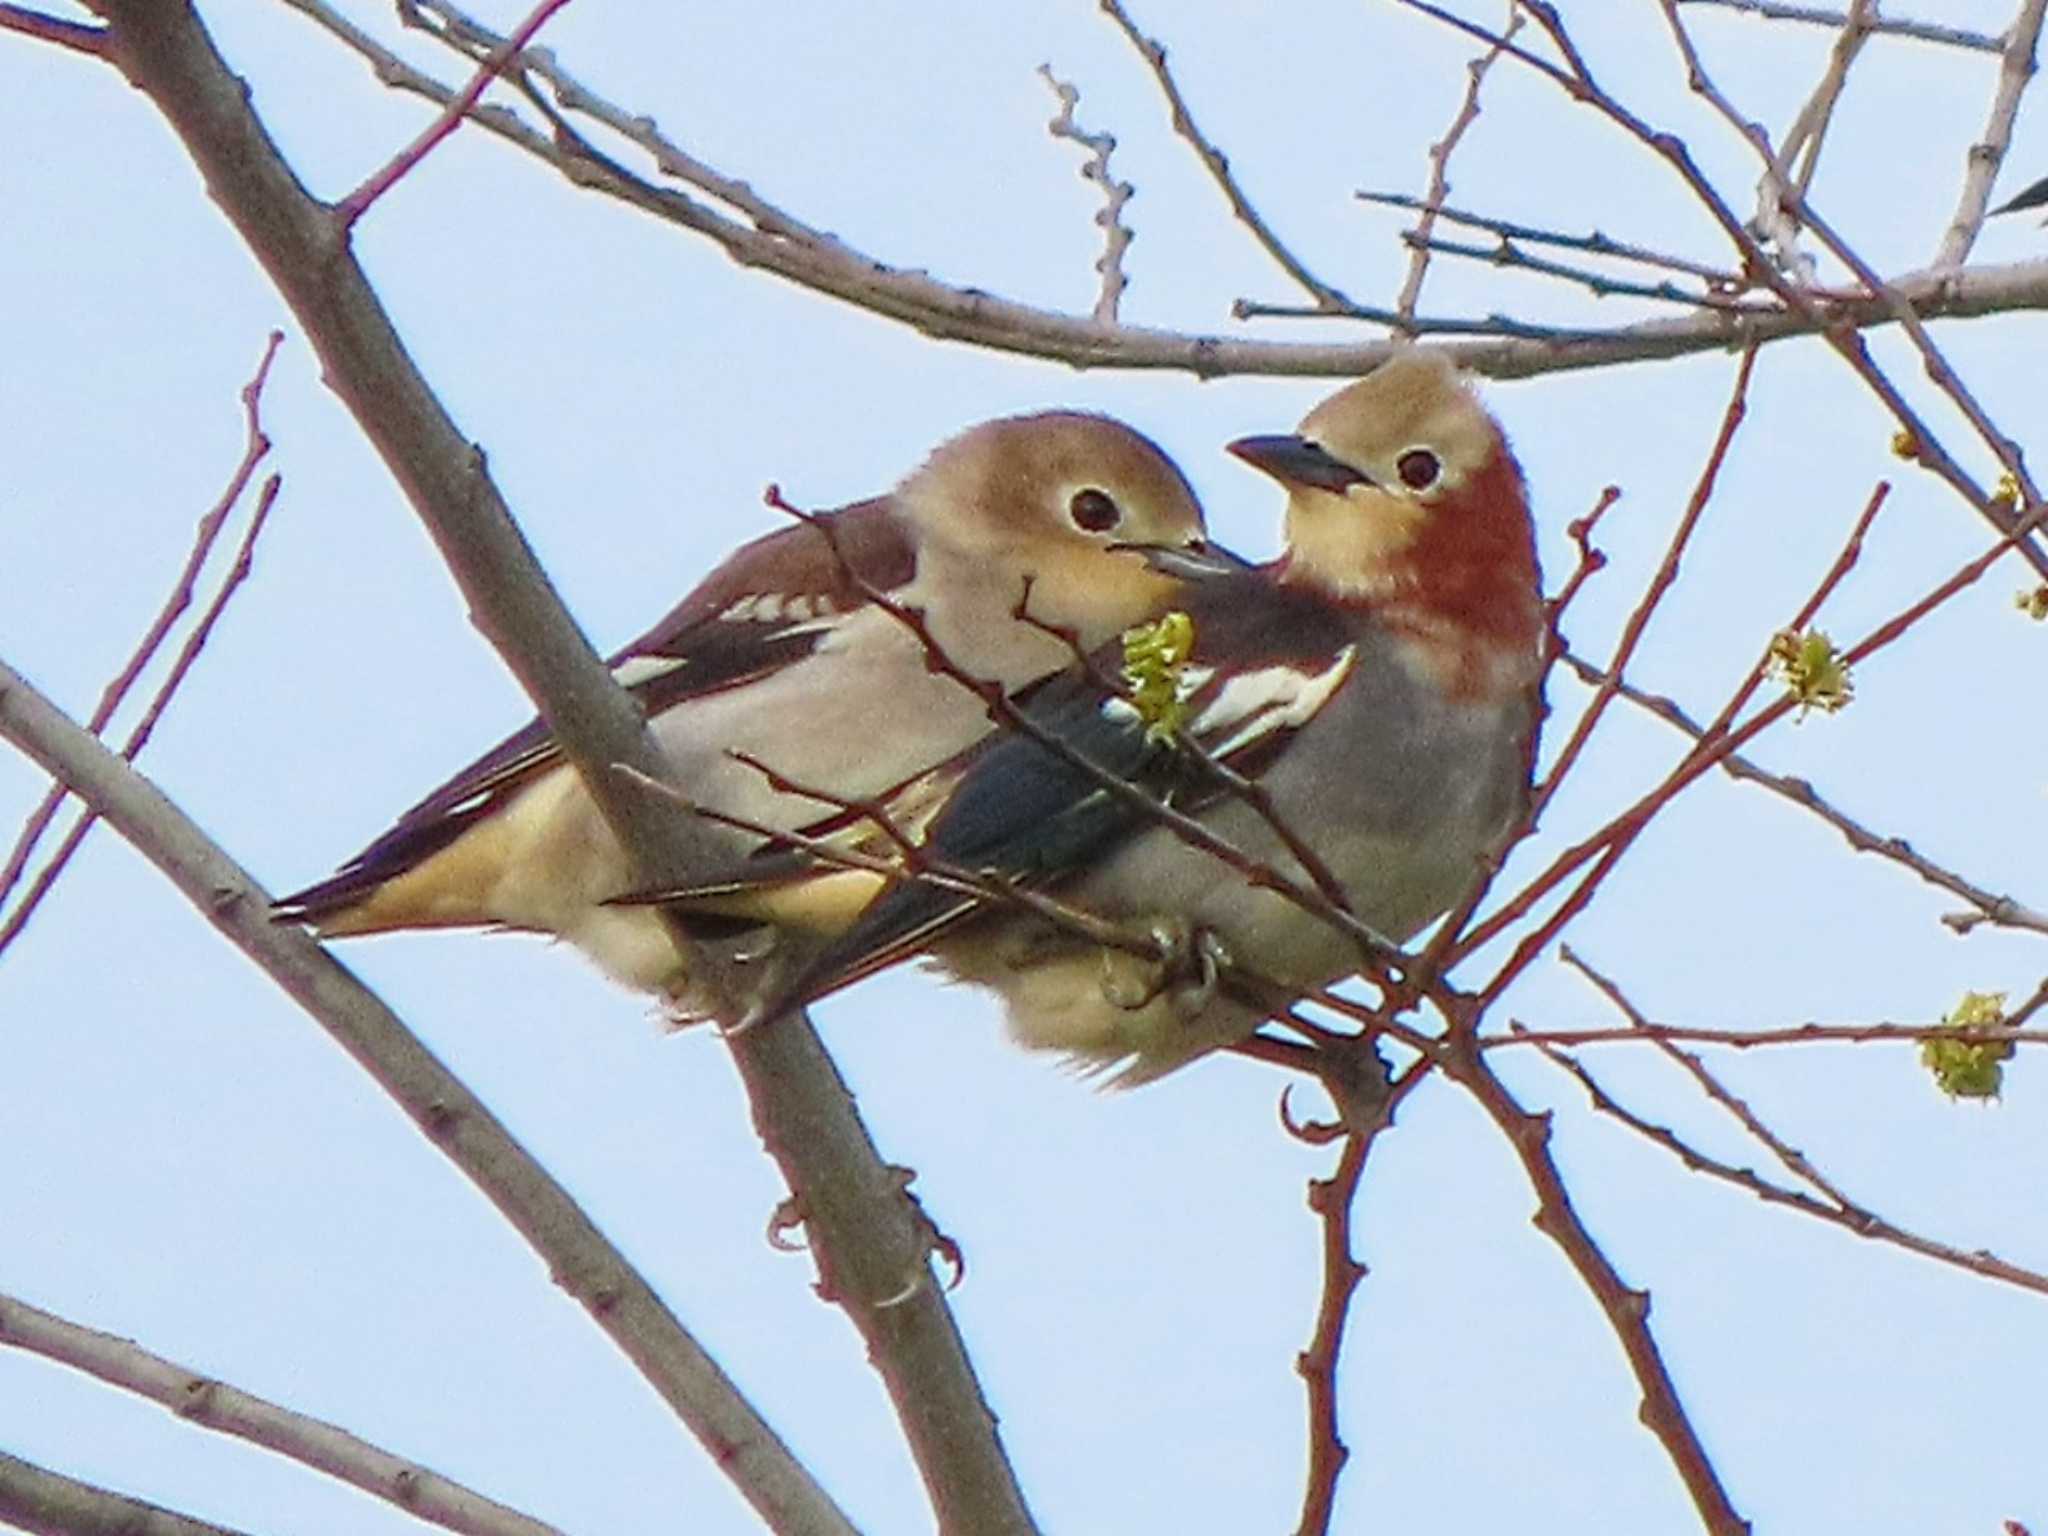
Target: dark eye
1093,510
1418,469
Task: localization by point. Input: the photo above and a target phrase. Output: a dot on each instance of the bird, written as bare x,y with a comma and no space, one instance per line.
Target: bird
1380,681
780,659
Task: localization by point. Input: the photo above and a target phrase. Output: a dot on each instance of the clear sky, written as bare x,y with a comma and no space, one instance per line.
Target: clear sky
187,1160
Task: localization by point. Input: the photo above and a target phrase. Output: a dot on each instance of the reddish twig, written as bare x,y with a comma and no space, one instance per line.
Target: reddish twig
1789,1034
1990,907
1841,1212
138,738
1613,839
353,206
1332,1200
1591,562
1660,583
1627,1311
76,36
256,447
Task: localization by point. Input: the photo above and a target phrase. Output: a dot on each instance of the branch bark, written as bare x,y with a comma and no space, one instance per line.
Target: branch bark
870,1243
578,1256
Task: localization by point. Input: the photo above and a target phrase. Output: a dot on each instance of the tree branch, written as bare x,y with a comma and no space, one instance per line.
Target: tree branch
773,241
579,1257
47,1503
868,1240
417,1490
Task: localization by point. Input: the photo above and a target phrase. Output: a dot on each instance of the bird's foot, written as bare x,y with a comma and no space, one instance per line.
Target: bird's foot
1185,970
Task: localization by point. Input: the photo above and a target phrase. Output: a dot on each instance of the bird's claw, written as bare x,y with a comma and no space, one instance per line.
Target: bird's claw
1189,963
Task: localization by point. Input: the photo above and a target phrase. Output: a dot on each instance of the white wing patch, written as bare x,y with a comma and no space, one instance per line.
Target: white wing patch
635,670
778,608
1254,704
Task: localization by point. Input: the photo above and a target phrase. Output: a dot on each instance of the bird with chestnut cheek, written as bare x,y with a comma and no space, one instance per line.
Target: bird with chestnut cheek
1380,681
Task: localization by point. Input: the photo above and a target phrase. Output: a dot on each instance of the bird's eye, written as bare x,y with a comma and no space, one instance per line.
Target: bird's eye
1418,469
1093,510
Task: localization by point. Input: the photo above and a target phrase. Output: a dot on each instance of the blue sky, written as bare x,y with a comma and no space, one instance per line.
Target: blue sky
193,1164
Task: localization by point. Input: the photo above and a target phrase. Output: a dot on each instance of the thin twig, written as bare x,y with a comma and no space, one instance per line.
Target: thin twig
1802,143
1889,26
1981,164
353,206
1597,243
419,1491
1841,1212
1660,583
1116,235
1627,1310
1418,238
188,653
1333,1200
204,535
1990,907
1153,52
79,38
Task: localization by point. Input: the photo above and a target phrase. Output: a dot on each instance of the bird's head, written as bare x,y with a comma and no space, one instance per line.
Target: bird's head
1053,497
1402,492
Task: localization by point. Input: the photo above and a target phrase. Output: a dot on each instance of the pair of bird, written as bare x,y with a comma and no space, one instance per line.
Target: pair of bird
1378,684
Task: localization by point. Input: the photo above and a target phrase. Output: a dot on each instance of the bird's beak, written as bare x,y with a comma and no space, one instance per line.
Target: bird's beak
1297,461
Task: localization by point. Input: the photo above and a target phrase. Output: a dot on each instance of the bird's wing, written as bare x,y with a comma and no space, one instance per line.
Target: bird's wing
772,602
1028,815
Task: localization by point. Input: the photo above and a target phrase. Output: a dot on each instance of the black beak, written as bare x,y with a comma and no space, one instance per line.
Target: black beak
2033,197
1297,461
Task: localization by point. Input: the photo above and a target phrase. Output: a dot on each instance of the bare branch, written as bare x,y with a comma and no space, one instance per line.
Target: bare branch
1439,169
868,1240
1627,1310
138,738
352,207
1332,1200
20,19
1802,142
47,1503
1999,911
1980,166
1116,235
1890,26
1659,584
579,1257
328,1448
1153,52
1833,1207
204,535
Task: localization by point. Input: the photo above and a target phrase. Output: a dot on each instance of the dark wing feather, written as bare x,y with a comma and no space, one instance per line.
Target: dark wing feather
1028,814
708,652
